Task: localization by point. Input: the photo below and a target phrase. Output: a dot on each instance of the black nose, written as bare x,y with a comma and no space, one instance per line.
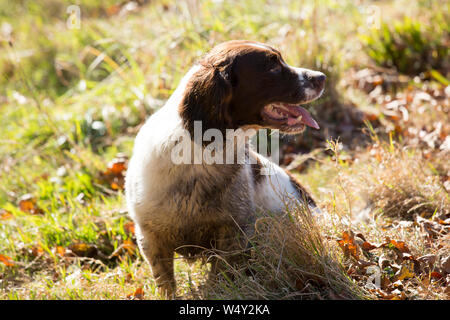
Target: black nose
318,81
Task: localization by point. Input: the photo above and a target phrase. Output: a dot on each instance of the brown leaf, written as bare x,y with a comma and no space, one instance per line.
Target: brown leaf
348,245
385,282
360,235
136,295
445,264
61,251
27,203
115,186
436,275
367,246
384,261
428,259
129,246
114,175
117,166
398,295
7,261
364,264
83,249
129,227
5,215
406,271
398,284
112,10
400,245
37,251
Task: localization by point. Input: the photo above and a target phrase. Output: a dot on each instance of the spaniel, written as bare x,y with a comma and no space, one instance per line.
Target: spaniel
190,206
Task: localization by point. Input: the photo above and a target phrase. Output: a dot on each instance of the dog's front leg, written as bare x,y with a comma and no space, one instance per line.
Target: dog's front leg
159,254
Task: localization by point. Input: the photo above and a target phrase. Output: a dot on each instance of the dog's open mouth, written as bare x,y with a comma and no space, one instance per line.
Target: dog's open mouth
288,117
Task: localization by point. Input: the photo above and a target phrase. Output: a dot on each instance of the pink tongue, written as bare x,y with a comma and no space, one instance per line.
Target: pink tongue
306,118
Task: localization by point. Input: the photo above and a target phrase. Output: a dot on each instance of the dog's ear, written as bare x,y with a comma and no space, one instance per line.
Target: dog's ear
207,98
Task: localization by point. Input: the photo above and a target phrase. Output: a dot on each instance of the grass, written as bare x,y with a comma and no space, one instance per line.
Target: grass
72,101
290,260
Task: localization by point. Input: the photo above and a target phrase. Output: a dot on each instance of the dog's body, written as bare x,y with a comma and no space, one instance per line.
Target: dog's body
184,207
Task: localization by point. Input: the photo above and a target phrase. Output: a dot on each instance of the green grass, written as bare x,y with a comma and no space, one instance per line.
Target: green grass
71,100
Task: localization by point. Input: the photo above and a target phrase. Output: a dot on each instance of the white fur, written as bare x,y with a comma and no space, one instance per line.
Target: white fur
310,94
148,170
277,192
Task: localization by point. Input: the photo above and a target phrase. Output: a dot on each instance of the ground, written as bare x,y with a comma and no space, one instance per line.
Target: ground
75,90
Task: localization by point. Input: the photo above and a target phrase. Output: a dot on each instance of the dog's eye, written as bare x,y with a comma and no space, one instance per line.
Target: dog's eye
275,69
274,65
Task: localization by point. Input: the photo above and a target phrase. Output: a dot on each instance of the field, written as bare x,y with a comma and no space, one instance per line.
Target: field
74,91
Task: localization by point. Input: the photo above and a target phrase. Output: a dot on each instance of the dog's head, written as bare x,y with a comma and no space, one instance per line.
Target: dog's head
248,84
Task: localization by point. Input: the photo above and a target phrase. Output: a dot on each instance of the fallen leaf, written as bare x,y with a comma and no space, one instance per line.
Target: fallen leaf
428,259
112,10
384,261
398,295
400,245
115,186
406,271
445,264
61,251
117,166
27,203
37,251
129,227
136,295
398,284
364,264
114,175
367,246
7,261
83,249
385,282
348,246
5,215
129,246
436,275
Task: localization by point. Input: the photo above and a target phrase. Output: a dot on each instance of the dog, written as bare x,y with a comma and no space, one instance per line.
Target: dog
188,207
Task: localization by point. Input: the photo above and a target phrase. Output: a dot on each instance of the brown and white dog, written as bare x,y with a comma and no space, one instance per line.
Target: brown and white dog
183,207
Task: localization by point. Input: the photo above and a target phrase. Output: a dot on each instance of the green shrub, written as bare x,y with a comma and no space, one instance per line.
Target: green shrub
409,46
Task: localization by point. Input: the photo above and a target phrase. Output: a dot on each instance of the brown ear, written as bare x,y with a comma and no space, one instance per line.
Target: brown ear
207,99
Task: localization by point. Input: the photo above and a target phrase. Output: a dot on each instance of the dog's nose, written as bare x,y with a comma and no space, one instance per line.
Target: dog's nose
318,80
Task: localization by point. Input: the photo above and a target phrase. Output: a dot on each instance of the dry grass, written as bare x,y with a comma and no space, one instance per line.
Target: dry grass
401,183
289,259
